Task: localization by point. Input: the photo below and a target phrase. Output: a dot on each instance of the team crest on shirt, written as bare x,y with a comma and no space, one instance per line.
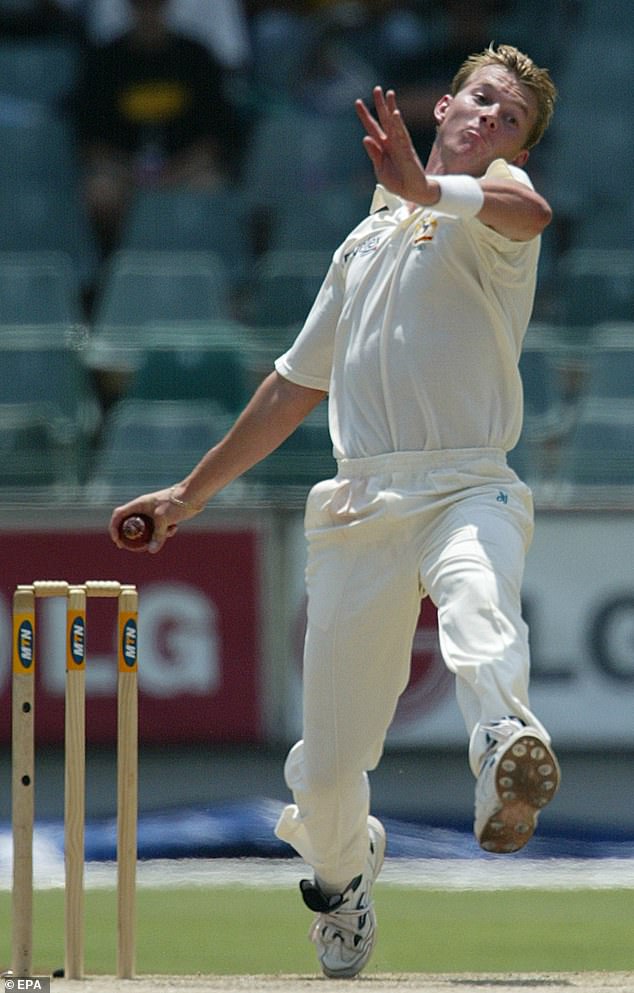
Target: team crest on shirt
425,228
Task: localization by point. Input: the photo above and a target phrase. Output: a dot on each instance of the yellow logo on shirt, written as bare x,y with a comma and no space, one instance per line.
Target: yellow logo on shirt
425,228
154,102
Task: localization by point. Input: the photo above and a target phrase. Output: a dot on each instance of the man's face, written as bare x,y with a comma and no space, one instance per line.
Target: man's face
490,118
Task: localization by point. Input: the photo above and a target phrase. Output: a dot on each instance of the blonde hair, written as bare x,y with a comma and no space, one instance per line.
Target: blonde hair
536,79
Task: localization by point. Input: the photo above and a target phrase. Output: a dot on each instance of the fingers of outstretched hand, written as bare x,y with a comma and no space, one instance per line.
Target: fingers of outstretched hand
381,126
387,112
379,136
369,122
382,106
394,125
374,151
389,134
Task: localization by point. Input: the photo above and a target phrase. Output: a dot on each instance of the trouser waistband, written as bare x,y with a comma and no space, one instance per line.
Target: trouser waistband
375,465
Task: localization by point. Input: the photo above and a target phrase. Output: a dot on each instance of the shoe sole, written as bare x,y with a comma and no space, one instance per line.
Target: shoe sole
526,780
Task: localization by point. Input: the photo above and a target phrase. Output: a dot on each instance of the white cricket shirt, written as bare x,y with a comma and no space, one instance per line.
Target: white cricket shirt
417,330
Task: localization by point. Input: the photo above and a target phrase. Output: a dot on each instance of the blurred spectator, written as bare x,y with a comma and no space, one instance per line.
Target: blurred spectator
589,170
280,33
35,18
392,31
220,25
421,77
151,110
547,31
333,75
306,138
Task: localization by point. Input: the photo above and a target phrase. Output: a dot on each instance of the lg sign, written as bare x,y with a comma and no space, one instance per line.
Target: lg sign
199,651
611,638
608,643
178,635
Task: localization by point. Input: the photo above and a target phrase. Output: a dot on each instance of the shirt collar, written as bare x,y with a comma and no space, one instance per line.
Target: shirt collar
383,198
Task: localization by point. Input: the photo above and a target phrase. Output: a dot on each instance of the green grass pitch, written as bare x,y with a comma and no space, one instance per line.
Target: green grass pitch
240,930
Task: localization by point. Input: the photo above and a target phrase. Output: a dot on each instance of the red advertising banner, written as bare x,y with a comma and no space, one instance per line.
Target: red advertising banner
200,657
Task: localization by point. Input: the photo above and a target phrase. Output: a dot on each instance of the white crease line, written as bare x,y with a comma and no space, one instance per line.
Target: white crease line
434,874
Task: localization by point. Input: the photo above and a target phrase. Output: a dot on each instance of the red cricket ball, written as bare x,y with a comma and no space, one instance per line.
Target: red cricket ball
136,531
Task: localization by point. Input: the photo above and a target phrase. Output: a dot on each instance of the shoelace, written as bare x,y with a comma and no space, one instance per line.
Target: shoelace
503,729
342,923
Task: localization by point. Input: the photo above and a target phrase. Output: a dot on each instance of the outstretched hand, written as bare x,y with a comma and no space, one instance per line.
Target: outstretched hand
390,148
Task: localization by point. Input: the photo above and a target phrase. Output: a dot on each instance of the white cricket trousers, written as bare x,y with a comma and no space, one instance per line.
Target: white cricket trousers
385,532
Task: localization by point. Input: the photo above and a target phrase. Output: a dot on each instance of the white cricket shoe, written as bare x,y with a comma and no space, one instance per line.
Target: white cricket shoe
519,776
344,931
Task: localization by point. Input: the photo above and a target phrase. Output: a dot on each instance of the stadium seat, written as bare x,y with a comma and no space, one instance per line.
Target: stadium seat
284,286
610,364
597,285
292,148
48,216
540,381
38,288
579,184
609,228
191,220
42,71
546,417
140,288
281,43
215,374
36,149
147,444
521,460
305,458
29,452
49,411
317,221
601,453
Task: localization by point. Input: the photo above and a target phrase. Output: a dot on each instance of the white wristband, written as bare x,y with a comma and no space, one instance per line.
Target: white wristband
460,196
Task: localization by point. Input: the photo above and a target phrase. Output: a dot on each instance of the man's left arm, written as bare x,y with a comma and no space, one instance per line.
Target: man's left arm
513,209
